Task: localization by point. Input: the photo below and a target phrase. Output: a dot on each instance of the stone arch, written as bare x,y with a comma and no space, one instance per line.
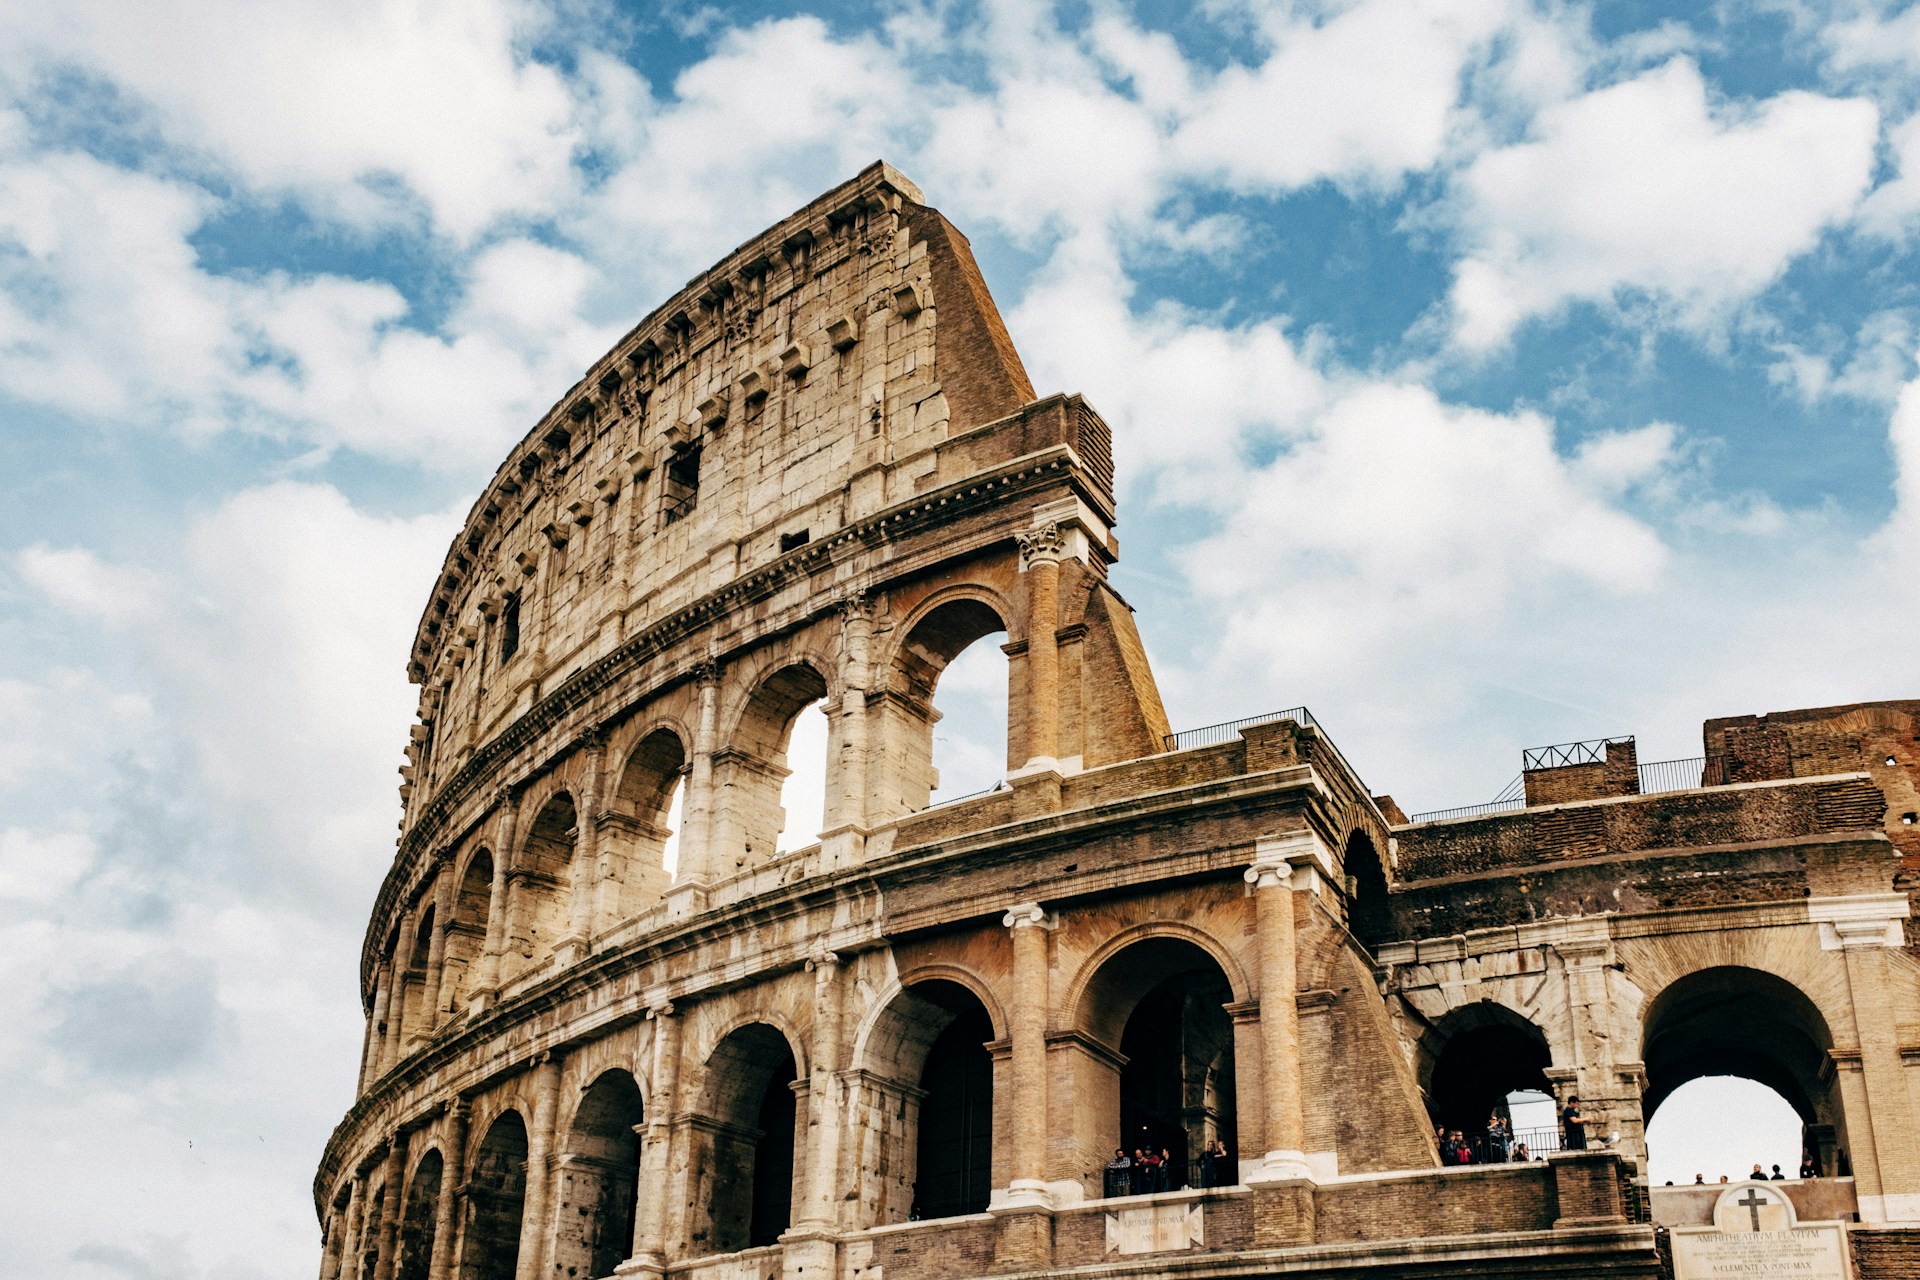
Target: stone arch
744,1141
933,634
540,883
635,829
868,1046
931,1067
1471,1059
598,1177
1078,989
466,928
751,765
418,1217
1735,1020
1157,1066
496,1200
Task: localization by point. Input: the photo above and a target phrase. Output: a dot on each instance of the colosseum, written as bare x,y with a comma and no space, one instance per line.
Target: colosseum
617,1026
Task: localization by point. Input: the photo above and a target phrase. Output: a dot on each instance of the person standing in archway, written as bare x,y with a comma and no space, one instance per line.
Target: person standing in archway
1573,1126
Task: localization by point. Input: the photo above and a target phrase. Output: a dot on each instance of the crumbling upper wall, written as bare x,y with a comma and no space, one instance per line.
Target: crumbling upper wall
806,381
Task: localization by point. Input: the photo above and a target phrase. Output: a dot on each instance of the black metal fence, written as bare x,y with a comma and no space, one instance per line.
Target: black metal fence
1214,734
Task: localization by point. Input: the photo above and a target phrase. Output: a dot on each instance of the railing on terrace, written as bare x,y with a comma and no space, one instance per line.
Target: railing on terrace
1673,775
1655,778
1592,751
1215,734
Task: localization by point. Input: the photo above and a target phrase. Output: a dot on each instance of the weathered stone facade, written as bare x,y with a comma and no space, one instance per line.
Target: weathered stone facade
907,1051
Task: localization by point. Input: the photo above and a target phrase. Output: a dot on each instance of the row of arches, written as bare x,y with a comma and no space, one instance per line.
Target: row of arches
588,851
1722,1023
931,1071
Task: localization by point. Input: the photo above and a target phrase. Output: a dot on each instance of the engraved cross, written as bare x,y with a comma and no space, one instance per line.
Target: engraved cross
1751,1202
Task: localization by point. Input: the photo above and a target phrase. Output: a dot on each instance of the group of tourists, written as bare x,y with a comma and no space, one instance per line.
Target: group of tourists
1147,1171
1495,1146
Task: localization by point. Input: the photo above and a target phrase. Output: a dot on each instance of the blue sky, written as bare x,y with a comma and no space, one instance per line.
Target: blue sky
1484,374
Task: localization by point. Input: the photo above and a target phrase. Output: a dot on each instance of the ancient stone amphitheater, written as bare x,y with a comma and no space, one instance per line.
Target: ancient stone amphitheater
907,1050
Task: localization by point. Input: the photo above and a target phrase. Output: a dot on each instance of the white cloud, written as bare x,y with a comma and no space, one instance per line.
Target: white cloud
1366,95
1644,188
80,581
338,101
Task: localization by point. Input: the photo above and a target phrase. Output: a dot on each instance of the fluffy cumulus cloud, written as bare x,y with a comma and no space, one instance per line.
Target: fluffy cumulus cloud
1644,189
296,278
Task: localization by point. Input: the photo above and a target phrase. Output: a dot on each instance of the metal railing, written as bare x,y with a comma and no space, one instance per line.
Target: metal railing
1591,751
1672,775
1469,811
1656,778
1214,734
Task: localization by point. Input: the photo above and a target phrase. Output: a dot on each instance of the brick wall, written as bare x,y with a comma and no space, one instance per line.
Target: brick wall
1517,1197
1678,820
1885,1255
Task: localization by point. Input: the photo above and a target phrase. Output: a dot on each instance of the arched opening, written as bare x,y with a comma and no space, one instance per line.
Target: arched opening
750,774
496,1201
467,931
419,1018
599,1179
1743,1024
417,1219
958,745
803,793
1692,1137
1370,913
543,881
1161,1002
1477,1068
744,1145
953,1164
644,820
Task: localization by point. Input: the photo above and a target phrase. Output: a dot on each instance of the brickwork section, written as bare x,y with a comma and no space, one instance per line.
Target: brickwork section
1671,821
1880,1254
1459,1202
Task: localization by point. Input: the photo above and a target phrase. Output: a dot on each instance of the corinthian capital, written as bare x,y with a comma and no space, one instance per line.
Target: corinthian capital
1043,543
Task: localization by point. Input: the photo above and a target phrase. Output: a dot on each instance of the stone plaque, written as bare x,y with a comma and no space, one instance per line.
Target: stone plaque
1158,1228
1755,1233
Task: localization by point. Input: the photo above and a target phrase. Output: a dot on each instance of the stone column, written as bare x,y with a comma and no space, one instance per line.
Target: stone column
584,876
443,888
486,985
696,837
376,1049
390,1206
396,1047
1027,1023
847,817
349,1268
1040,561
650,1204
1888,1119
823,1151
536,1220
453,1176
1282,865
331,1241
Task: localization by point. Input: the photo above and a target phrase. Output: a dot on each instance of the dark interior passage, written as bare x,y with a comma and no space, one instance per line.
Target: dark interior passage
1177,1087
496,1200
954,1172
599,1180
417,1219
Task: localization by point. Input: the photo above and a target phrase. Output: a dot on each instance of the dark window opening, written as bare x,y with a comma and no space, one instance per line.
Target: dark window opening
790,541
773,1161
509,627
1177,1089
955,1174
682,488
